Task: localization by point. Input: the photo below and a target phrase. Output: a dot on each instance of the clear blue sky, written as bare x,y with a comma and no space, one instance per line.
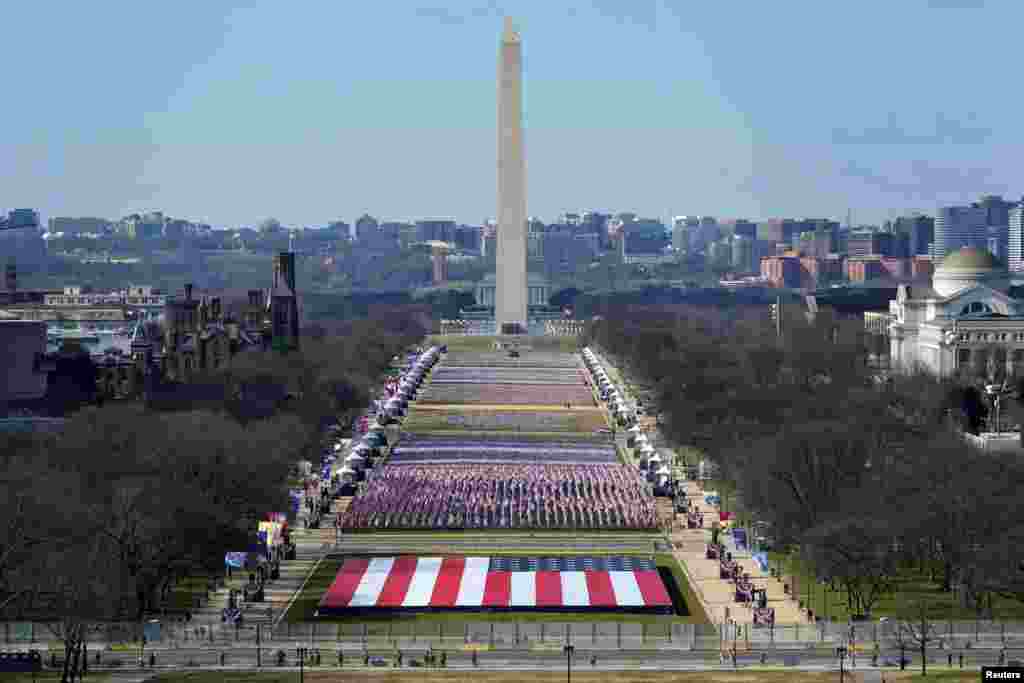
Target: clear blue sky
316,111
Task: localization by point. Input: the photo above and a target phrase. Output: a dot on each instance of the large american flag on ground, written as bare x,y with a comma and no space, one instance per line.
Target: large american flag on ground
410,582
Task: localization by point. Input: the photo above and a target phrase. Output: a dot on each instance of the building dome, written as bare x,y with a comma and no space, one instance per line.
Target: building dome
970,258
969,267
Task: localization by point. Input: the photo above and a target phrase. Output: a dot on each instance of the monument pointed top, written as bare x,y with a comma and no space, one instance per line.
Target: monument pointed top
509,35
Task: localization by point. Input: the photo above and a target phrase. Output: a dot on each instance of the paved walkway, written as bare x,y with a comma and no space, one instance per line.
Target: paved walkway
717,595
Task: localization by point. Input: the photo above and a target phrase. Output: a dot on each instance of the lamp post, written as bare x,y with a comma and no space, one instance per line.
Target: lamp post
735,634
568,650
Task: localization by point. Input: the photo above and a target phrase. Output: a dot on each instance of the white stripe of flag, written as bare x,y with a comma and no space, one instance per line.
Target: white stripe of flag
422,585
523,589
627,590
474,579
373,582
574,589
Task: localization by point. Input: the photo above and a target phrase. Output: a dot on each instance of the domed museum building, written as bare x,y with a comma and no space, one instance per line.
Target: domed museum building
965,319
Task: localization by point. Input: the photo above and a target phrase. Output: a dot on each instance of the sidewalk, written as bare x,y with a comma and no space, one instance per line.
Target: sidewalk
717,595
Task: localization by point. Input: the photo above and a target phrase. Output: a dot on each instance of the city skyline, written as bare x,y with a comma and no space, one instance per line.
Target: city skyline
654,110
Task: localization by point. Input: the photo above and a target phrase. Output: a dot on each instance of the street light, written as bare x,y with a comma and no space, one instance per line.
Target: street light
302,659
568,650
735,629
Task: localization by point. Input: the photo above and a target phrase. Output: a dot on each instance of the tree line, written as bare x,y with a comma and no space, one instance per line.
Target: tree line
103,518
867,478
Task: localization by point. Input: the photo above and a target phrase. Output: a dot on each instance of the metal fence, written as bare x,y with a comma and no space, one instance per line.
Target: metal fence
605,635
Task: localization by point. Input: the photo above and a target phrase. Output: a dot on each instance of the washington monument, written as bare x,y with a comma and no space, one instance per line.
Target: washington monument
510,294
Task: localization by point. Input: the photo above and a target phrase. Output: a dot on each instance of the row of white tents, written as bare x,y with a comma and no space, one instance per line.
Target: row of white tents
371,445
650,460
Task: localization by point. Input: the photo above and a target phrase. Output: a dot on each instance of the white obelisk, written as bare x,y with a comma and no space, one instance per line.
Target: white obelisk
510,294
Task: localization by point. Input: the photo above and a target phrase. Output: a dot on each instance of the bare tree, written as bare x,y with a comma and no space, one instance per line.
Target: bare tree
857,551
917,625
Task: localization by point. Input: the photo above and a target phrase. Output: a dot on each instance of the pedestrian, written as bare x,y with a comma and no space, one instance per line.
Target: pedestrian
949,658
961,660
444,659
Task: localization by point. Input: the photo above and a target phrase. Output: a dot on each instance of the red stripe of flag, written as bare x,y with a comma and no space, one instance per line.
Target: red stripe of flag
345,583
397,583
446,588
549,589
497,589
652,588
599,586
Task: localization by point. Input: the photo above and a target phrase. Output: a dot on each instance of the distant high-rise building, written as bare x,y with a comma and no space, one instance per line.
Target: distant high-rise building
745,228
596,222
78,226
435,230
439,260
645,236
972,226
870,243
778,230
467,237
743,253
960,226
1015,239
920,229
709,231
680,235
23,218
340,229
364,224
563,253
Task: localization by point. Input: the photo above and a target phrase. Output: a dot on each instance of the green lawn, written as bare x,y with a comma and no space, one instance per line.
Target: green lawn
187,589
909,585
304,607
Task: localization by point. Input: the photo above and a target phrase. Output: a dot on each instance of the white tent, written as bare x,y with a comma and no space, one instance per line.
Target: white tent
663,470
337,447
655,458
635,429
641,438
